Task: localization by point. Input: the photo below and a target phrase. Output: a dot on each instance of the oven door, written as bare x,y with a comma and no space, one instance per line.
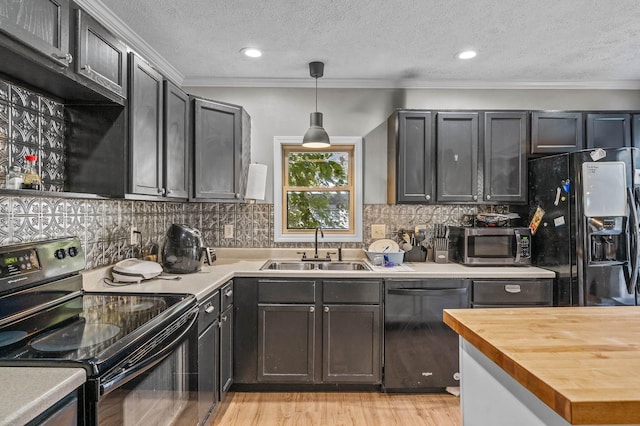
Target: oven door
156,384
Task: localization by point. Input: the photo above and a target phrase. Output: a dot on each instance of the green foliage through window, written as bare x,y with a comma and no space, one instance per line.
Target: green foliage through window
318,190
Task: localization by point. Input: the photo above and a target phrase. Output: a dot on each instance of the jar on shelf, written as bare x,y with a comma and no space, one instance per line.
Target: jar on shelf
15,177
31,176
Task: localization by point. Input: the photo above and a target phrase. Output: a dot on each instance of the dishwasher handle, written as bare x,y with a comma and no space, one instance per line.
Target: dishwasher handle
427,291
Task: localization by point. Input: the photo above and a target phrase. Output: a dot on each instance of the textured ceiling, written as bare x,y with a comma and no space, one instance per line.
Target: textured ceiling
387,43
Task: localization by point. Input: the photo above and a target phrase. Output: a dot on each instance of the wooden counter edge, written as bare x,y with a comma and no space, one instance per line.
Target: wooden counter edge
554,399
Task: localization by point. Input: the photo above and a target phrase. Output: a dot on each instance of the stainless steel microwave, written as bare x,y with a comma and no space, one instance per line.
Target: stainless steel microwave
492,246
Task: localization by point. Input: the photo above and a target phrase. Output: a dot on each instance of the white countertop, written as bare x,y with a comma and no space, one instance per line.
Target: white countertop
28,391
247,262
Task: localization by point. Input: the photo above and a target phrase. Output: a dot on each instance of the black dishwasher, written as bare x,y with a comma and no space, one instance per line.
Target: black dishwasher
421,351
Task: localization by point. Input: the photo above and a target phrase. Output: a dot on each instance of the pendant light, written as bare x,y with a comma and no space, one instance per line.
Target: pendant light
316,136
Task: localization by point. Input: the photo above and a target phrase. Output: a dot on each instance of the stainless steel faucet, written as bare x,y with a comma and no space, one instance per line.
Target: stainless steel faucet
315,253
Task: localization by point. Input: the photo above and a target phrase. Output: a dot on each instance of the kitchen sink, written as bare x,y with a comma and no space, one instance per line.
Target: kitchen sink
295,265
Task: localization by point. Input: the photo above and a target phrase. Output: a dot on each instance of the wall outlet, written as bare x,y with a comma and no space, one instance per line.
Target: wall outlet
378,231
228,231
133,238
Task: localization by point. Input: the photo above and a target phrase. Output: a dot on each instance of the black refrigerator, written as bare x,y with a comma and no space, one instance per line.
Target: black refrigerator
583,208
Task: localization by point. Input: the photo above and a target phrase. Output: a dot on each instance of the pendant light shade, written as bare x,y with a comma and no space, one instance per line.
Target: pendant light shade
316,136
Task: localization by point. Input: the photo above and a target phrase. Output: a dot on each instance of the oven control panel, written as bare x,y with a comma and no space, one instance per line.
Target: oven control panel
18,262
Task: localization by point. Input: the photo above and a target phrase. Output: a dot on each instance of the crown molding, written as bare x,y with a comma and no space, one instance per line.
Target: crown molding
408,84
109,19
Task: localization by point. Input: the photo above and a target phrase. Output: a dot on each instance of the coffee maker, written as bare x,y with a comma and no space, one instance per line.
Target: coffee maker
184,251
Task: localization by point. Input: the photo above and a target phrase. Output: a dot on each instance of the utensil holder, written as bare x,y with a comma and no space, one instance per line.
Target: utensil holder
416,254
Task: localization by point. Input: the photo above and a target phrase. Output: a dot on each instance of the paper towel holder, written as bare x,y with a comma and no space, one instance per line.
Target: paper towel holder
256,183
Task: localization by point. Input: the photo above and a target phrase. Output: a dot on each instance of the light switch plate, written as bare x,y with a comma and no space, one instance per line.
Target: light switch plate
378,230
228,231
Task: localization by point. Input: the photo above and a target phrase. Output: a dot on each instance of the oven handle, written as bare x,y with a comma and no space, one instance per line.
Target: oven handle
427,291
130,372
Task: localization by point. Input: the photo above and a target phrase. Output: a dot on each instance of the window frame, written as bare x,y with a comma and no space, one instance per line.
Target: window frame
356,172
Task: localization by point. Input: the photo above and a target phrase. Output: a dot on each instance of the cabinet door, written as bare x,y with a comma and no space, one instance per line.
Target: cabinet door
217,150
411,154
351,344
608,130
635,130
145,126
207,370
556,132
286,343
100,56
41,24
226,351
176,141
457,153
505,157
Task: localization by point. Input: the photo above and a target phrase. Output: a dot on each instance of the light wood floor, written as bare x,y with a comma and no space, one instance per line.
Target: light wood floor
338,408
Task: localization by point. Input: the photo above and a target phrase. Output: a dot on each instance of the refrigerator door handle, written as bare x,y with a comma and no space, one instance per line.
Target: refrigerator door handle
634,236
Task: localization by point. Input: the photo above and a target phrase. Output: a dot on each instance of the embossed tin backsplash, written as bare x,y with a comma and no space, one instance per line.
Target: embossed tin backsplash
32,124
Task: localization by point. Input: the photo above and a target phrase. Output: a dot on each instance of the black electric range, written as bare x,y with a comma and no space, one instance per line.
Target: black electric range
125,342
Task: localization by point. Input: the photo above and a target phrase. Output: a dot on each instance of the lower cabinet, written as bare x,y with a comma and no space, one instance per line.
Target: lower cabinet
208,355
226,340
308,331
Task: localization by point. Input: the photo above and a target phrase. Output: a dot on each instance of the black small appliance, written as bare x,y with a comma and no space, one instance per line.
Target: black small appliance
183,251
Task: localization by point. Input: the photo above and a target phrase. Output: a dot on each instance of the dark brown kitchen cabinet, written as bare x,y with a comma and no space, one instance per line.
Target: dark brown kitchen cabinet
176,141
608,130
556,132
505,157
221,151
145,128
208,354
410,157
100,56
457,157
226,339
43,25
635,130
286,331
352,331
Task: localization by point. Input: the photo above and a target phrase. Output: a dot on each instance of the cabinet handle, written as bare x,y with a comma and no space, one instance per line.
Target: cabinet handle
161,191
169,192
209,309
312,309
488,197
228,293
223,318
87,68
428,197
475,197
66,57
326,309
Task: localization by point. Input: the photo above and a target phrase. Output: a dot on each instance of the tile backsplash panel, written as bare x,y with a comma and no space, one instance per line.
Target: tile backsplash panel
104,226
32,124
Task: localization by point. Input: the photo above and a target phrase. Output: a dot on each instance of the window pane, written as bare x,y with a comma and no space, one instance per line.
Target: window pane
310,209
318,169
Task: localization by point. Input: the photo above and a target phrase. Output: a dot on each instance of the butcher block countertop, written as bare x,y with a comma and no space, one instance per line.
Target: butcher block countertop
583,362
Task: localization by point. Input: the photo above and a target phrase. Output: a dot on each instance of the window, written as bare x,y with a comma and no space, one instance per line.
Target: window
317,188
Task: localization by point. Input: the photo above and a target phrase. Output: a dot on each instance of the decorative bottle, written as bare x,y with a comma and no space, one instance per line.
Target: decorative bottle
15,177
31,177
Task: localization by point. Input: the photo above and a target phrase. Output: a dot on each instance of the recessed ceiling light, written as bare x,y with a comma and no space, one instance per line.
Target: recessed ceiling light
251,52
466,54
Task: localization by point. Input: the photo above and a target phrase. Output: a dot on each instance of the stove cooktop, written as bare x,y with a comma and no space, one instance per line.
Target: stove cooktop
94,330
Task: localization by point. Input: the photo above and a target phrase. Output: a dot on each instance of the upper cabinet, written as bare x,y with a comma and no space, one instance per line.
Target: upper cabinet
221,151
608,130
145,128
410,157
43,25
457,157
505,156
100,56
556,132
176,141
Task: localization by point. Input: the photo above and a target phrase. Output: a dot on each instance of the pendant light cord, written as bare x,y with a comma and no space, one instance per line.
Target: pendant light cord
316,94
